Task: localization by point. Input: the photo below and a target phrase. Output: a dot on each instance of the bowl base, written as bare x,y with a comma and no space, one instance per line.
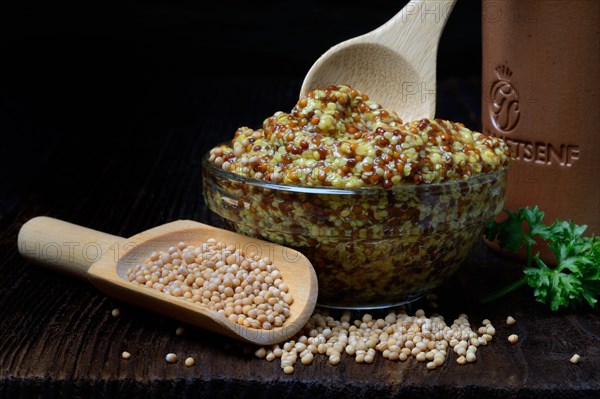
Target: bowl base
371,306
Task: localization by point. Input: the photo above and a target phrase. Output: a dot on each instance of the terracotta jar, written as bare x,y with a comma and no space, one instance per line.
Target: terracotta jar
541,93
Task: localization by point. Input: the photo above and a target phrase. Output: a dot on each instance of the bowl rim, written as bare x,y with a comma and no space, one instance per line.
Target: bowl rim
208,166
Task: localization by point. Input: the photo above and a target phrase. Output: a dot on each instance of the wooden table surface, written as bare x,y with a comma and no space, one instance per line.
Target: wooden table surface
59,339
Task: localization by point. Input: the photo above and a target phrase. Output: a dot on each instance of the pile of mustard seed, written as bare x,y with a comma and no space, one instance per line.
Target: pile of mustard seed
246,288
397,337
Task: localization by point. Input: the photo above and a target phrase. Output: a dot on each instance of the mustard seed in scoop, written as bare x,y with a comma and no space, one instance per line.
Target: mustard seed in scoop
245,288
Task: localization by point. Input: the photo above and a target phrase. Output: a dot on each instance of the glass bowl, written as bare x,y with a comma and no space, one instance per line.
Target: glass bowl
371,247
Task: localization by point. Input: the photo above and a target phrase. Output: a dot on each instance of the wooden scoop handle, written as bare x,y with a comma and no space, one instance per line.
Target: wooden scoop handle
64,246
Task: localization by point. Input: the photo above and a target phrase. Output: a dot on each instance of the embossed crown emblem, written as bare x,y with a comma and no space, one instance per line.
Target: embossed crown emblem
503,72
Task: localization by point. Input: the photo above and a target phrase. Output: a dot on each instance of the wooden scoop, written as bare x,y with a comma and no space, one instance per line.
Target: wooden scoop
395,64
104,259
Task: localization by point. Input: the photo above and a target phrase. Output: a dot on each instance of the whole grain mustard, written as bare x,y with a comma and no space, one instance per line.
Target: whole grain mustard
338,137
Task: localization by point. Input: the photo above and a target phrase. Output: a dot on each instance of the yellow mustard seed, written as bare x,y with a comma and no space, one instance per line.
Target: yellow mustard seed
307,359
397,337
189,361
244,288
575,359
260,353
171,357
335,359
471,357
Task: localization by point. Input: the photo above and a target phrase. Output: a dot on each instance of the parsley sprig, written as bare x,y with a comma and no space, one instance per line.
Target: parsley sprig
576,277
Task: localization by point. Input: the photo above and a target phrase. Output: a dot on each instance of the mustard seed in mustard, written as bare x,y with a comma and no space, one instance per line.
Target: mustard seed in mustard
338,137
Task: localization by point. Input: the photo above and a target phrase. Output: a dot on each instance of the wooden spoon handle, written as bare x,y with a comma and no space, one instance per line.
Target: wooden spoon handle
65,246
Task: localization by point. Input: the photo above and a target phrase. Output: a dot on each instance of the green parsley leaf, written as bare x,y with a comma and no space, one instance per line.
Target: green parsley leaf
533,217
576,277
508,232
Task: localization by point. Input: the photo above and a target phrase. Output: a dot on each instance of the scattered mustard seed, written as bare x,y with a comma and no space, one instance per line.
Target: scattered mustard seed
125,355
307,359
575,359
471,357
513,339
335,359
116,312
190,361
171,357
397,337
260,353
179,331
510,321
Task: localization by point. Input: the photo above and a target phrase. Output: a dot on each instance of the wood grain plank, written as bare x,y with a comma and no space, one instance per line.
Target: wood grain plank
57,337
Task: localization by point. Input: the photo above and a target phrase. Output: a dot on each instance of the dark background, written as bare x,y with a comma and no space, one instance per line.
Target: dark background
81,81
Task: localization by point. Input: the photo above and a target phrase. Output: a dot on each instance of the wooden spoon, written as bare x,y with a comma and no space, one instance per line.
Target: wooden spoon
104,259
395,64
